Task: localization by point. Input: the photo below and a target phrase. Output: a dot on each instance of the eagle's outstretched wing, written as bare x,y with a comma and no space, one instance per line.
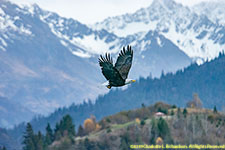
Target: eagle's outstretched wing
124,62
109,70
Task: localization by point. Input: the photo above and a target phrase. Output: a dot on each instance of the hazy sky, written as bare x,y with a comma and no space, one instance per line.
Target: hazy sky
90,11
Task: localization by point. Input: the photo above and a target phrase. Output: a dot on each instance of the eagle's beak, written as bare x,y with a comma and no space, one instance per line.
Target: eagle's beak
133,80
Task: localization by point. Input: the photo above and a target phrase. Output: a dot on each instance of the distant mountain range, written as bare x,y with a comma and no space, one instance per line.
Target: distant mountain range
193,32
47,61
37,71
214,10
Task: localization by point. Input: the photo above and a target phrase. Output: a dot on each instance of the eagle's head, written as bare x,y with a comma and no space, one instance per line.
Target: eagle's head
129,81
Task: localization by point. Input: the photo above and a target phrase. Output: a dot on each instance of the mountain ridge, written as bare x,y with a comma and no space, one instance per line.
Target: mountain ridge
47,60
194,34
213,10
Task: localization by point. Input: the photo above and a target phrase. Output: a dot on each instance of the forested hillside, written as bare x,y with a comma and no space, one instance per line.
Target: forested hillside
208,80
160,124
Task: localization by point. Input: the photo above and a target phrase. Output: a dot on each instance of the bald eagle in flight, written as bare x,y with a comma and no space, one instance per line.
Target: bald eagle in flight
117,74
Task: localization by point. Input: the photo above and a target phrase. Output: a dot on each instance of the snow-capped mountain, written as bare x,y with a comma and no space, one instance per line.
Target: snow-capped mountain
48,61
73,33
38,71
154,54
214,10
195,34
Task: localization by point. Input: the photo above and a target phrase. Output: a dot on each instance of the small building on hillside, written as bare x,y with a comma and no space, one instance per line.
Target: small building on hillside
159,114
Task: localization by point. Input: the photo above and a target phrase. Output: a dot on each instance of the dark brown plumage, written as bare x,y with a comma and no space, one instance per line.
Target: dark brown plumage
117,75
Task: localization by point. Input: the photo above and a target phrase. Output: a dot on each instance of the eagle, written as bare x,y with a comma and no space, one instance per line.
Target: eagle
117,74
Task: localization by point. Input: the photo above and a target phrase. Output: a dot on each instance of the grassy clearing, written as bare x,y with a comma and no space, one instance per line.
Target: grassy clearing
119,126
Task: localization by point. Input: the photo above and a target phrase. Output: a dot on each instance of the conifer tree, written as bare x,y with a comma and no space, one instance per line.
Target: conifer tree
39,141
163,127
66,124
88,145
172,113
143,105
81,131
154,131
178,112
125,142
64,128
215,109
57,134
164,131
49,137
185,112
2,148
29,138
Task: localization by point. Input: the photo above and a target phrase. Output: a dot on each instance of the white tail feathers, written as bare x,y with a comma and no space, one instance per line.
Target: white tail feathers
105,84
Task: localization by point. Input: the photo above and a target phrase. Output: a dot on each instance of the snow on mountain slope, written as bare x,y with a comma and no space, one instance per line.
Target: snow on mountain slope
156,54
214,10
47,61
94,42
10,24
72,34
78,38
37,70
196,35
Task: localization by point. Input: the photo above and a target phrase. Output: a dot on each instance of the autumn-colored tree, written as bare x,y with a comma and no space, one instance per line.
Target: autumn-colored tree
89,125
98,127
159,141
137,120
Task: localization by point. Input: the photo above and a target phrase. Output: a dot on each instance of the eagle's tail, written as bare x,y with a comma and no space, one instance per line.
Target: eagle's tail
106,84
